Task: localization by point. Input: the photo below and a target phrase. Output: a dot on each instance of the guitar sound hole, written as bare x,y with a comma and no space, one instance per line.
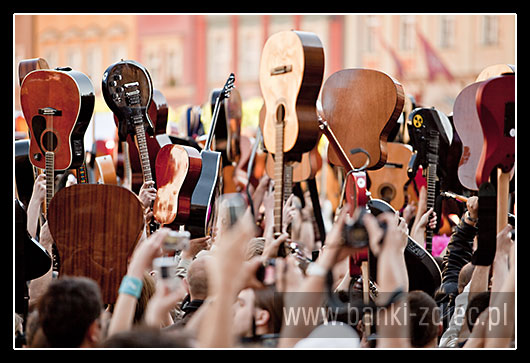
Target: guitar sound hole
49,141
387,193
280,113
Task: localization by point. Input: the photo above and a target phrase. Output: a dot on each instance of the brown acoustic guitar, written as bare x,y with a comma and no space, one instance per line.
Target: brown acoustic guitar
291,72
390,182
57,105
362,107
96,227
104,170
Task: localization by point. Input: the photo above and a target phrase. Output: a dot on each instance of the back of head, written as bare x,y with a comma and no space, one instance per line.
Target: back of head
67,309
425,319
197,278
478,303
148,337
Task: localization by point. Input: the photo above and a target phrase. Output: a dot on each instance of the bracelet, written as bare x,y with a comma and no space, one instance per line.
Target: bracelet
468,216
131,285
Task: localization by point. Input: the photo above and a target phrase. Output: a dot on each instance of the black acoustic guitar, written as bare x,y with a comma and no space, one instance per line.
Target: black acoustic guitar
209,184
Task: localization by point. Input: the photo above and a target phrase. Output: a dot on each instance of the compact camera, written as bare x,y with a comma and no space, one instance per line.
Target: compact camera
166,271
354,233
176,241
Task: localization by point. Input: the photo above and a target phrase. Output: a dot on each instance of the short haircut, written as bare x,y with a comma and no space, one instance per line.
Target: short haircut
425,318
67,309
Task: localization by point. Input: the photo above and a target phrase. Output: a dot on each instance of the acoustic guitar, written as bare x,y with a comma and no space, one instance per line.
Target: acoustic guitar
355,97
495,104
209,185
290,76
104,171
178,168
57,105
93,239
28,65
391,181
127,90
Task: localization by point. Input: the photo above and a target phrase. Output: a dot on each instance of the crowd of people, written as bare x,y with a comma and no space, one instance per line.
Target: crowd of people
235,289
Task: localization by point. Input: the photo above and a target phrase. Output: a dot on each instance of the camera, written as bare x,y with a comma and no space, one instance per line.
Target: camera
176,241
166,271
354,233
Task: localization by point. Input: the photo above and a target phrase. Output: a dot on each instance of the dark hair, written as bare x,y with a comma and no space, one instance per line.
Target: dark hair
272,301
476,305
425,318
148,337
67,309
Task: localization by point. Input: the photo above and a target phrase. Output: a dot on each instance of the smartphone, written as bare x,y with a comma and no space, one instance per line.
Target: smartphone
233,207
166,271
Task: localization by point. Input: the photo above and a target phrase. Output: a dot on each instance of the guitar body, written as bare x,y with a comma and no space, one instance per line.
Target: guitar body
71,95
362,106
290,76
96,227
115,77
104,170
423,271
389,183
27,65
228,127
208,188
495,104
177,168
467,125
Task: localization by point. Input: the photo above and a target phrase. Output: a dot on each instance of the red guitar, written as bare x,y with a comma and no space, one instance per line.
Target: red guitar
178,168
496,110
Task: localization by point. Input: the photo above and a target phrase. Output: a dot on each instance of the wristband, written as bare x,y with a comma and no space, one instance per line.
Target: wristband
131,286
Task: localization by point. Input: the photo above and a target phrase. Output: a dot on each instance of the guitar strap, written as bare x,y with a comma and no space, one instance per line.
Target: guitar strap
487,226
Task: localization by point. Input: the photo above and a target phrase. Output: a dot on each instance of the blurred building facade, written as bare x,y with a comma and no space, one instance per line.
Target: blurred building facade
433,56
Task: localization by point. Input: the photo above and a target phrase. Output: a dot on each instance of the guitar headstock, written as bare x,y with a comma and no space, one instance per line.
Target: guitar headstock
127,89
228,87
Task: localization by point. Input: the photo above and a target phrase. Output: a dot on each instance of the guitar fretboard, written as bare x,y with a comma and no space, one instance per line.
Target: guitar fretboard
278,179
50,185
431,181
142,148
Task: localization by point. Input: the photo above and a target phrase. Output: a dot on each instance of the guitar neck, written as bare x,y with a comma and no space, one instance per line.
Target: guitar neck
126,165
215,114
346,163
287,181
142,148
50,178
432,175
278,179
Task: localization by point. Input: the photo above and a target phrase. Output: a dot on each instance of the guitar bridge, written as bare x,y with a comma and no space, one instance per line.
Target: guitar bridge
281,70
49,111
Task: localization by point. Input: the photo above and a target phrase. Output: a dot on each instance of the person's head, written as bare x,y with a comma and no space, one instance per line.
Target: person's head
148,337
69,312
255,247
197,278
425,320
258,312
148,290
465,276
478,303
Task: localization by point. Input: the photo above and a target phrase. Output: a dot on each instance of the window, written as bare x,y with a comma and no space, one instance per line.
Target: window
407,33
372,24
490,27
447,31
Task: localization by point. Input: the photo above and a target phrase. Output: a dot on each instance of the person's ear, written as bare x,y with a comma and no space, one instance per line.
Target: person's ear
262,317
94,331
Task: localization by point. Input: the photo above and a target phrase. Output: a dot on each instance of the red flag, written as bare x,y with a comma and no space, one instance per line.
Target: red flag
400,69
435,64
